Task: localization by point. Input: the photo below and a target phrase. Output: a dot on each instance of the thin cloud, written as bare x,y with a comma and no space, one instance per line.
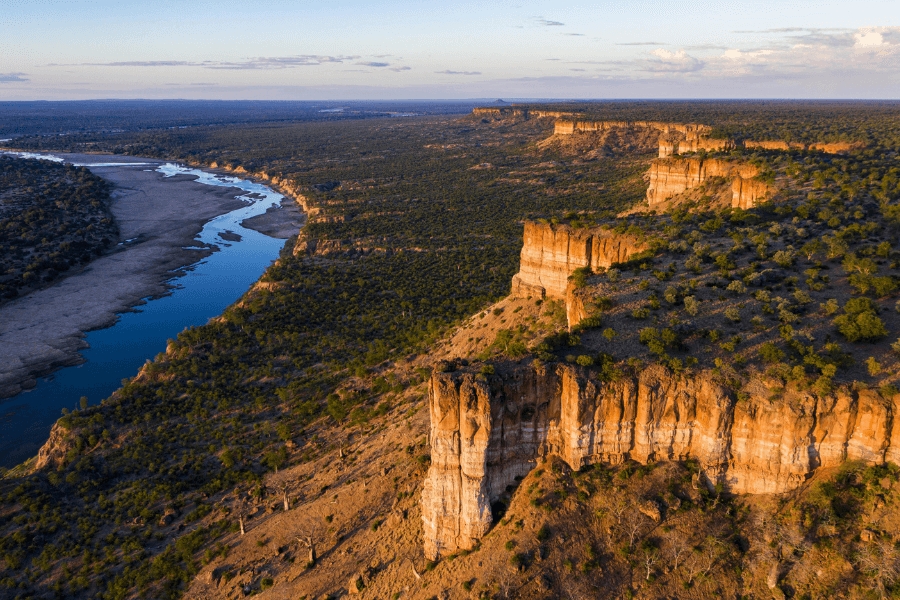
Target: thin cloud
449,72
574,34
13,77
642,44
774,30
264,63
404,68
549,23
706,47
372,64
141,63
281,62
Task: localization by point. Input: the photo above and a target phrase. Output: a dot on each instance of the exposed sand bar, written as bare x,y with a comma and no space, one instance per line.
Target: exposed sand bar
159,217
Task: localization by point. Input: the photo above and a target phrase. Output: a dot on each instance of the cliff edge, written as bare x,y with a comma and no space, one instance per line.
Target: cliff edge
489,432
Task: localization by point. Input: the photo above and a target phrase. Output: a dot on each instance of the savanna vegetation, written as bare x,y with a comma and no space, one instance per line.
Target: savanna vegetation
419,226
803,288
53,217
656,531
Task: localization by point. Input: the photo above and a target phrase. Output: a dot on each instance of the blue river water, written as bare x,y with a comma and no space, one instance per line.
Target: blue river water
204,291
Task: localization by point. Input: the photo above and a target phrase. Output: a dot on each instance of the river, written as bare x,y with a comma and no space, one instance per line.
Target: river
199,291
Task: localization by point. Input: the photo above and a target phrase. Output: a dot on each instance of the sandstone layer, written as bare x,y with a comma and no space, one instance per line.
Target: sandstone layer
672,176
519,112
571,126
552,252
488,431
671,145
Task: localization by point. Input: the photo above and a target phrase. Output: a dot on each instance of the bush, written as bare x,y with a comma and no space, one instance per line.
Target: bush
771,353
860,322
640,313
783,258
691,305
737,287
579,276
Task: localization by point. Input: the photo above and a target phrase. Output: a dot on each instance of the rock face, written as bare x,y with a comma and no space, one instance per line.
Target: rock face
747,193
571,126
674,138
53,452
671,145
826,147
672,176
486,432
772,145
552,252
506,112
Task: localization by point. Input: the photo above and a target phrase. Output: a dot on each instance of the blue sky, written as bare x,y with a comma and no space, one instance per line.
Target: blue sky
346,49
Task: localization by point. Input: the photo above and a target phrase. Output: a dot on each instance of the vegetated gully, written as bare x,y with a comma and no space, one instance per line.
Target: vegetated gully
200,290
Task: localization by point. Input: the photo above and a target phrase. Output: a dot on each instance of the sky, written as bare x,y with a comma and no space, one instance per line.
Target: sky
418,49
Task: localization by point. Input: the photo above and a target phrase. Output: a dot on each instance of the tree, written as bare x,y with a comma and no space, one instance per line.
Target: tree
650,550
860,321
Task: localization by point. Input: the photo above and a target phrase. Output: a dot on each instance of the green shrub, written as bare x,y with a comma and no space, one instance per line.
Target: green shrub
584,360
860,322
771,353
579,276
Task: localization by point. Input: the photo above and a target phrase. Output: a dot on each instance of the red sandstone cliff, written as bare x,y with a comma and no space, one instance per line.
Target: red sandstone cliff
552,252
485,432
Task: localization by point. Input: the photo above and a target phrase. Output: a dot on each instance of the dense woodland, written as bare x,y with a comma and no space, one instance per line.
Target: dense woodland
51,119
53,217
420,226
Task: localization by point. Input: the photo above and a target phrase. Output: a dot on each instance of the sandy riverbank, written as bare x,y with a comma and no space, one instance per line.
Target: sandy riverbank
44,330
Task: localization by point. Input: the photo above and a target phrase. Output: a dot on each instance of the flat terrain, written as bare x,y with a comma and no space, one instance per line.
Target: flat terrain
44,330
281,221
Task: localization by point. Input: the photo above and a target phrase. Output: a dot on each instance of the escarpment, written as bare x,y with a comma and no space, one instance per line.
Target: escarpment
503,112
488,431
674,138
672,176
552,252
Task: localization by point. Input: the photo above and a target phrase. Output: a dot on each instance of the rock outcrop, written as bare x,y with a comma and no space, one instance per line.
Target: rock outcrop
672,176
826,147
53,453
772,145
694,141
552,252
747,193
488,431
506,112
572,126
674,139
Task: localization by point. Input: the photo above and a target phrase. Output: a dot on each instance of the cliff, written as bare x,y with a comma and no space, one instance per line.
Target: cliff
487,432
674,138
673,144
571,126
672,176
681,138
506,112
552,252
826,147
